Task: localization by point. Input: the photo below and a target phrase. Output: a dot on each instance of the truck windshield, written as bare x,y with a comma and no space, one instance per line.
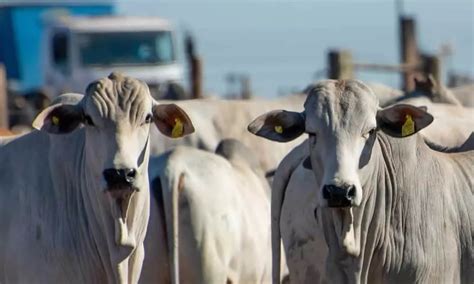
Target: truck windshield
126,48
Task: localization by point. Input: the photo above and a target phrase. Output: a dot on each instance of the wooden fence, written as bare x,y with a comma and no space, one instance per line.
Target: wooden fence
341,64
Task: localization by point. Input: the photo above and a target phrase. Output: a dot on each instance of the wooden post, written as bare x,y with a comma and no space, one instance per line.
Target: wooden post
3,98
195,72
246,88
432,66
340,65
408,50
196,77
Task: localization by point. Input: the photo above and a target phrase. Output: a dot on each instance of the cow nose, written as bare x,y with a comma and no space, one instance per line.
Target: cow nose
130,175
119,176
338,196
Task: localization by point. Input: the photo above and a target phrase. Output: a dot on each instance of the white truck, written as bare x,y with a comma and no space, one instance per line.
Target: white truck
79,49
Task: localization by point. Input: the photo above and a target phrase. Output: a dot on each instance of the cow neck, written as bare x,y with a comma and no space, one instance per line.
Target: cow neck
116,240
84,207
398,159
348,230
386,184
362,231
412,192
70,181
378,181
122,238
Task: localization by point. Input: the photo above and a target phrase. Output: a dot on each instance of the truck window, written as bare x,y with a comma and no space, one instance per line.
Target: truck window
126,48
60,52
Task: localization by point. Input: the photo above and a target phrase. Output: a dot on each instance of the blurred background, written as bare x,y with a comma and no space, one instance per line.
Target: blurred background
226,48
282,45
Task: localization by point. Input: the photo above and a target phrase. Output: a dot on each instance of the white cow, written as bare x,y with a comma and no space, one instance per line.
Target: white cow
4,140
453,123
74,200
304,247
392,209
217,213
305,250
221,119
300,225
465,94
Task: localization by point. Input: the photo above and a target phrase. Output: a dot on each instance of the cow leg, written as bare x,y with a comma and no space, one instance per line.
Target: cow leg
214,270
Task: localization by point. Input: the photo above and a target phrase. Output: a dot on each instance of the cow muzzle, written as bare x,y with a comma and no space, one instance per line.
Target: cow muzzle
115,177
120,186
338,196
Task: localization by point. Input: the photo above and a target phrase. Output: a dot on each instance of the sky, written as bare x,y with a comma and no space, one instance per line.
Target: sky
282,45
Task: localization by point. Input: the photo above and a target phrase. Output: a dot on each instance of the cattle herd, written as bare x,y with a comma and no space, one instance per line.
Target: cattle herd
367,185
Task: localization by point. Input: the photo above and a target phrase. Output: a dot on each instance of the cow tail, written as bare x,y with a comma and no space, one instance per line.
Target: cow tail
172,223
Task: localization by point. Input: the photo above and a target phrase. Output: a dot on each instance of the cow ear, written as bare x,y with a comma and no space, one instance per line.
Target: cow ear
172,121
59,118
403,120
278,125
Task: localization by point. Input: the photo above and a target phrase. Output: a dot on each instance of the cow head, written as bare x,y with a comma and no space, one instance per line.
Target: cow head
116,114
341,119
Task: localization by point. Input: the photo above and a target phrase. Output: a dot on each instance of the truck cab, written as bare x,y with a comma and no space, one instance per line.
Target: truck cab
79,49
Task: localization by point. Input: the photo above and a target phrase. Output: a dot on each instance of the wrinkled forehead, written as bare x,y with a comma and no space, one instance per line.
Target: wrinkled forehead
118,95
340,102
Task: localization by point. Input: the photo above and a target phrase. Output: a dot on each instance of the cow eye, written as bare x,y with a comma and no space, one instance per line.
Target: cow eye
148,118
88,120
369,133
311,134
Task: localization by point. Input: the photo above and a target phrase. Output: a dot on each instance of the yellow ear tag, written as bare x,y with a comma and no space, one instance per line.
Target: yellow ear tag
408,127
178,128
278,129
55,120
